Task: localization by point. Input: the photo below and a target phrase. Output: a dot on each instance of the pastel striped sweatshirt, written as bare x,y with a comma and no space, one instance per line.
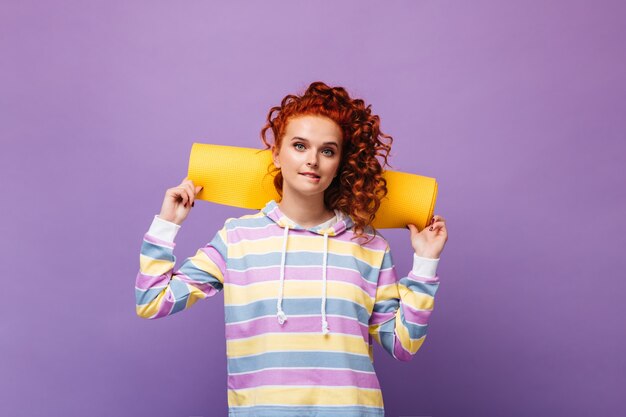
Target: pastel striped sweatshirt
302,308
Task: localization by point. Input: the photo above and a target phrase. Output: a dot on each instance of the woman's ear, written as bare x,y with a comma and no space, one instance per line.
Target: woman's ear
275,157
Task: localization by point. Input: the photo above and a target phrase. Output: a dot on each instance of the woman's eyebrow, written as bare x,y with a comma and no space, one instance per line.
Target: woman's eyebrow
306,140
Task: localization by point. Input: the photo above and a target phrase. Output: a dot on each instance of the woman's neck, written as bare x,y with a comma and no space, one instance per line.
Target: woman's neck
307,212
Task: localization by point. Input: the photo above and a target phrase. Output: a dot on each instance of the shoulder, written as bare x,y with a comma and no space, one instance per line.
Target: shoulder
372,239
247,221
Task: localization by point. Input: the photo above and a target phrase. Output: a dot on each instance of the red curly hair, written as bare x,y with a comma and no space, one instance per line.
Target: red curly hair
359,186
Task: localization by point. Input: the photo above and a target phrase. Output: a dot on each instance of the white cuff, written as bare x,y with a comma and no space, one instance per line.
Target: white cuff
424,267
163,229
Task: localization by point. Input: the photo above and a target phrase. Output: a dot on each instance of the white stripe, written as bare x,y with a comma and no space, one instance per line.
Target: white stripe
297,315
306,386
300,368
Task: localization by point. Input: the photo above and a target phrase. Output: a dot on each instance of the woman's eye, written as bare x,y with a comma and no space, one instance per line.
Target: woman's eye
298,145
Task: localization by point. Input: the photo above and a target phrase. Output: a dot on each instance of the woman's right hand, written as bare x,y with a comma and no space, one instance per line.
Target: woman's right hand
178,201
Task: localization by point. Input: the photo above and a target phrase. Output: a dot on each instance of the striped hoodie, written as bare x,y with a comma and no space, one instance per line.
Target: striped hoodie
302,308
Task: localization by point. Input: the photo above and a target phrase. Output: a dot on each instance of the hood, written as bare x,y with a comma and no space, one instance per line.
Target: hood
343,222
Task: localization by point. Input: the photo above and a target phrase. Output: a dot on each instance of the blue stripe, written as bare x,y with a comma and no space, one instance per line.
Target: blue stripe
300,359
387,335
386,306
421,287
199,275
143,297
180,291
219,245
387,260
303,410
305,258
252,222
157,252
415,330
300,306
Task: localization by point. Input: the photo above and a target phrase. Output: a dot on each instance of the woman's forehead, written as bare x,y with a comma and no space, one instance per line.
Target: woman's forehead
314,128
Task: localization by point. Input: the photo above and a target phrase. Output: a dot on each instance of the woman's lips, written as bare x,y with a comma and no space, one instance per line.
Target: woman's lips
311,177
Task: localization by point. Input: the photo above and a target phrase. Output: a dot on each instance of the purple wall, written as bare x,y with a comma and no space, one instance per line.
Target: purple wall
517,108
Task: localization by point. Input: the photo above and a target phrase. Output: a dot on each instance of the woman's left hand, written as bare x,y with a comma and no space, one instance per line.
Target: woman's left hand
430,241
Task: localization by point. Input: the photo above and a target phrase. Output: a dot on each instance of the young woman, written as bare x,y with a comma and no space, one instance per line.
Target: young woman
308,283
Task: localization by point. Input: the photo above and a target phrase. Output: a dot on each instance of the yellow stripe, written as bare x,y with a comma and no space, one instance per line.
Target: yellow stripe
202,261
296,342
412,345
296,395
194,295
154,267
387,292
234,294
416,300
306,243
222,234
148,310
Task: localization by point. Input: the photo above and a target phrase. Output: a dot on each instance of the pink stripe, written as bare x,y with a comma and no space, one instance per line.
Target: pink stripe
216,257
238,234
295,324
377,318
307,273
399,352
152,239
422,279
145,282
416,316
387,277
166,305
206,288
420,317
285,376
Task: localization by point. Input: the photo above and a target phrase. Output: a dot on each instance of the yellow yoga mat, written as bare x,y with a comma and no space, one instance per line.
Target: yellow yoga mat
238,177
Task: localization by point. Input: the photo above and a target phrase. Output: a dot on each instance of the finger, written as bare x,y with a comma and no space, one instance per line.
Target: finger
183,197
184,193
190,191
437,218
412,229
438,227
177,192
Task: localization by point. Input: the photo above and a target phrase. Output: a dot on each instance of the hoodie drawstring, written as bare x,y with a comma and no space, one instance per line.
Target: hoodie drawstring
280,314
324,322
282,317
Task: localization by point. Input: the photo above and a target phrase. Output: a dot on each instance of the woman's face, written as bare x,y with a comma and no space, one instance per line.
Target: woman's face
310,144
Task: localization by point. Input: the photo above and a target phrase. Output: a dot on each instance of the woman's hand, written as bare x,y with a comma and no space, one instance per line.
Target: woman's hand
430,241
178,201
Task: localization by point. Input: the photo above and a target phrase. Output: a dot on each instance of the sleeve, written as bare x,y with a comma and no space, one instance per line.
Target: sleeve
402,308
159,290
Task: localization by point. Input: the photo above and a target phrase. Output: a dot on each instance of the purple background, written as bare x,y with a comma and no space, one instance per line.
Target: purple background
517,108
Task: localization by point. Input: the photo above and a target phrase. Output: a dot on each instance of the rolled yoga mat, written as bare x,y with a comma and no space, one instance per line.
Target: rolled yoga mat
238,177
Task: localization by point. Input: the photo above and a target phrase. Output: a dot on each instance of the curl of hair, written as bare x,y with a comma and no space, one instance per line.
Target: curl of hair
359,185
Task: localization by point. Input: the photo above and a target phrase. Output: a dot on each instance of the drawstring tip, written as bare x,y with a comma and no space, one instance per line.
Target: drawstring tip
282,317
325,327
